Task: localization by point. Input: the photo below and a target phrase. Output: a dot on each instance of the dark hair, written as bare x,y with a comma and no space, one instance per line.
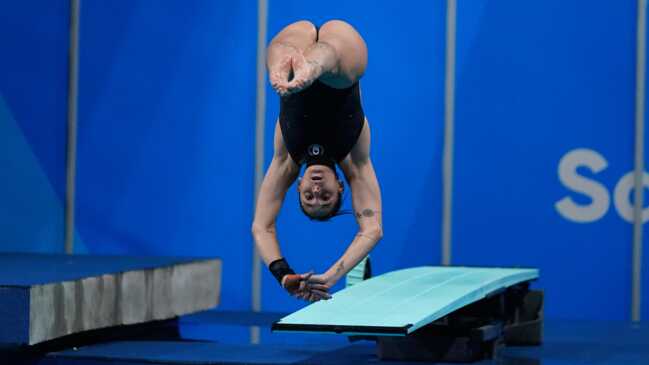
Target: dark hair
332,213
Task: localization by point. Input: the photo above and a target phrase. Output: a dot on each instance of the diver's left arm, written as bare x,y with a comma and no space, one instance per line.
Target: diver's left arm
366,200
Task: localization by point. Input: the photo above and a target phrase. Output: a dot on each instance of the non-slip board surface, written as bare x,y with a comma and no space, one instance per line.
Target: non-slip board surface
46,296
400,302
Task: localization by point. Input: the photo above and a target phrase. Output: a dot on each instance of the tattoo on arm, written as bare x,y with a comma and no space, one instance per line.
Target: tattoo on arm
341,267
366,213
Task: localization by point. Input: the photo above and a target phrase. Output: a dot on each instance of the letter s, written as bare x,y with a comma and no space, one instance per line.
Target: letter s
577,183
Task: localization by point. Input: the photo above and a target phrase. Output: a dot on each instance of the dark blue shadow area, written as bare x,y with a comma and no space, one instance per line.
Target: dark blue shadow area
605,343
192,353
535,82
586,342
226,317
223,326
233,327
166,129
14,316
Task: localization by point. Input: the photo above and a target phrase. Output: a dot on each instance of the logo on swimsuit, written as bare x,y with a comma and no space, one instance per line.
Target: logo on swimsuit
315,150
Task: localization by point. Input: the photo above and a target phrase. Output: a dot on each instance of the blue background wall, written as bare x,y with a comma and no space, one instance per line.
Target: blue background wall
166,137
33,113
533,85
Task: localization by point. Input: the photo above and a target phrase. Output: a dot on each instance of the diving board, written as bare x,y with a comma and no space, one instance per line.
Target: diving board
400,302
47,296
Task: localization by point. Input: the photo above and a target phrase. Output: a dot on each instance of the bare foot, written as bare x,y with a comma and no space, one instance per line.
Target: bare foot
281,72
305,72
279,75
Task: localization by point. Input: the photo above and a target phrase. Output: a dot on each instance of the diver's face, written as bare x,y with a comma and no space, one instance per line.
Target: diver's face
319,190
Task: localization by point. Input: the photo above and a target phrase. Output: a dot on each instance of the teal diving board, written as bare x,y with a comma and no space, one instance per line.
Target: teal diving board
400,302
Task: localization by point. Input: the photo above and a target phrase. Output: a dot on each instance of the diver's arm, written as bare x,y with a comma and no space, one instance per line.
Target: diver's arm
279,177
366,200
271,195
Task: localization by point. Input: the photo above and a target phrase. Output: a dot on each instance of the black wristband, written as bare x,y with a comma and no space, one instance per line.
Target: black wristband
279,268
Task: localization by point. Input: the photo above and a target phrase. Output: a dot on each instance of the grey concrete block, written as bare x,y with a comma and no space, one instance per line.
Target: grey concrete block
130,296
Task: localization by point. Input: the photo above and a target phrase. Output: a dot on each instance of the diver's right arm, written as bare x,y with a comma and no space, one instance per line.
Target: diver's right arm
281,173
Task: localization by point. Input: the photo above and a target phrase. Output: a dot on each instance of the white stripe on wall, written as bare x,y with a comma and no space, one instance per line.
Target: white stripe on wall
449,112
71,153
262,21
639,160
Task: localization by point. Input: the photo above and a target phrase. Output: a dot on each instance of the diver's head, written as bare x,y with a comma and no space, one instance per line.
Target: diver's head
320,192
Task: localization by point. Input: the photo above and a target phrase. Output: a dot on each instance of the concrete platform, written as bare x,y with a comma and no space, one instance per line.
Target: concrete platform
44,297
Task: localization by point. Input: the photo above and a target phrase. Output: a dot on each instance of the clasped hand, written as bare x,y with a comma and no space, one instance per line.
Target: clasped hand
309,287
